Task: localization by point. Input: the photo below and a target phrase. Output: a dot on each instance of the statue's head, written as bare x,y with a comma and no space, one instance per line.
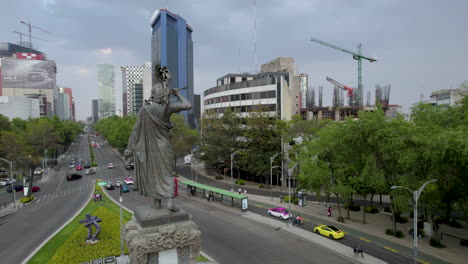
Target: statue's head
160,91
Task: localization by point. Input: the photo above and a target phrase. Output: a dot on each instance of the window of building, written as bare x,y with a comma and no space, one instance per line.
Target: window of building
271,94
263,95
242,96
248,96
237,97
243,109
232,80
244,79
256,95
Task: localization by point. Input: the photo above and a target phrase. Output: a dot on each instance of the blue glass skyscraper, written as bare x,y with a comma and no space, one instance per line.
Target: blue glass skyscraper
172,46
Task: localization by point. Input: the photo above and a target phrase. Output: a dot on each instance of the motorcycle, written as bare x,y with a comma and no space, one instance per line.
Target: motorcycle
298,222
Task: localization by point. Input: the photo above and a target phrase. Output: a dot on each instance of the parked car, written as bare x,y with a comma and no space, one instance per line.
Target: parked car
35,189
90,171
109,186
329,231
280,212
72,177
125,188
18,188
110,165
130,166
128,180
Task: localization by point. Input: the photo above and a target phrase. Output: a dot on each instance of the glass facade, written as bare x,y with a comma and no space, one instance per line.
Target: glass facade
172,46
106,90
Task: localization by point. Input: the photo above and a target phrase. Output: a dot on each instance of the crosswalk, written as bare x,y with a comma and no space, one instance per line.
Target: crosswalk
61,193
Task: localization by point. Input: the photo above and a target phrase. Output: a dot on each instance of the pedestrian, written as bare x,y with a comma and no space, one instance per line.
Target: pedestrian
329,211
281,198
245,191
239,191
355,249
359,250
210,198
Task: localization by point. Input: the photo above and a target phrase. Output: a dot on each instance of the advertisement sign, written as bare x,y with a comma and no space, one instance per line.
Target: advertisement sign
36,74
244,204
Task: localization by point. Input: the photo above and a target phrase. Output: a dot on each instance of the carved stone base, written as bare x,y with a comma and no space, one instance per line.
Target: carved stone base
156,236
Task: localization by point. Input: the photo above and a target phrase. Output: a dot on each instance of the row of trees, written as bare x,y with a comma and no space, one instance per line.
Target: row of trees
26,141
371,154
117,130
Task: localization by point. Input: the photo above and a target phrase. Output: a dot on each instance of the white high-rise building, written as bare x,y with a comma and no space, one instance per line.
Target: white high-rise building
106,90
134,75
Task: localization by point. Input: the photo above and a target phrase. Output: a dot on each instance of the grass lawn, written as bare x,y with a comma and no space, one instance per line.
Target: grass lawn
70,240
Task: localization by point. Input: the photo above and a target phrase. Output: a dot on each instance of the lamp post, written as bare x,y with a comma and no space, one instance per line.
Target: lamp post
10,162
191,159
271,173
290,172
416,194
232,178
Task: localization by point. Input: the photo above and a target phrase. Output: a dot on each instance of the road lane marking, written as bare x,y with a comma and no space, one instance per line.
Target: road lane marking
258,205
367,240
38,200
422,261
391,249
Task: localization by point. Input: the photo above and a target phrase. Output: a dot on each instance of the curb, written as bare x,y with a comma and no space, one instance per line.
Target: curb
60,228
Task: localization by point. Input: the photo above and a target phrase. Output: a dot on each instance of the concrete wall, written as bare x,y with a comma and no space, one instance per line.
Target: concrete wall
20,107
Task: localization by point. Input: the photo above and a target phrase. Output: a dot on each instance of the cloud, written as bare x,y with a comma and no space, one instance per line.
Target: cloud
106,51
48,3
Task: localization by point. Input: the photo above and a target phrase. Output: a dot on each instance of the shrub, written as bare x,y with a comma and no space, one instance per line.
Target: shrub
353,207
455,223
219,177
75,250
372,209
240,182
387,209
261,186
27,199
400,219
399,234
436,243
389,232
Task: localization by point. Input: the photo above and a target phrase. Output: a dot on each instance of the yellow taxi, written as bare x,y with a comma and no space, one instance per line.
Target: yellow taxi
329,231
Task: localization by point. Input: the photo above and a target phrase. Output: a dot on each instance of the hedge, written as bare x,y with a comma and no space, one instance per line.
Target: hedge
27,199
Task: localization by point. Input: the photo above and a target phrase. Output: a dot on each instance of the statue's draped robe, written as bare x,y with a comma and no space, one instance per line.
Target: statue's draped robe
153,156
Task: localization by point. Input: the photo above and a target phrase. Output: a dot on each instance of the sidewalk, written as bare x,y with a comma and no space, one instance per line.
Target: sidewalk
374,229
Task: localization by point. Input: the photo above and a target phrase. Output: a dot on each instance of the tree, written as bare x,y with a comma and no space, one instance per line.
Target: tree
183,138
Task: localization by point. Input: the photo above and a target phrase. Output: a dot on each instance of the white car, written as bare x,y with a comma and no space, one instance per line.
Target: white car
4,183
90,171
118,183
111,165
71,166
280,212
188,159
128,180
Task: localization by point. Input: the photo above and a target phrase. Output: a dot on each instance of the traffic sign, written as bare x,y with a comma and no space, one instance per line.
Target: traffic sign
102,183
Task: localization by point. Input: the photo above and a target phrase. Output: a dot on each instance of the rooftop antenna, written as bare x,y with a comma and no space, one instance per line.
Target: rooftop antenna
255,34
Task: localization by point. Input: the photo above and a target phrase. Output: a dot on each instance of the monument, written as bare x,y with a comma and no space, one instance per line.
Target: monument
156,234
89,222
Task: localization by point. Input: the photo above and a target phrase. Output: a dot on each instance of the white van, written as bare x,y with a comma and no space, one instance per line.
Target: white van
188,159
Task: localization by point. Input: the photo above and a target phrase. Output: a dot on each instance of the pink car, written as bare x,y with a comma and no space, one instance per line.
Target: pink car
280,212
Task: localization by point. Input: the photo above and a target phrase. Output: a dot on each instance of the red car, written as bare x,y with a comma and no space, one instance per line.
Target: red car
79,167
35,189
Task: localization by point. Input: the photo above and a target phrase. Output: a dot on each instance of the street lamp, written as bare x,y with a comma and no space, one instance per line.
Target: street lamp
271,173
290,172
416,194
232,178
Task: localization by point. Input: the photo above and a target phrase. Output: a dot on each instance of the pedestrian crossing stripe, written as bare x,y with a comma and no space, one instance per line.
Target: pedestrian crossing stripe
365,239
391,249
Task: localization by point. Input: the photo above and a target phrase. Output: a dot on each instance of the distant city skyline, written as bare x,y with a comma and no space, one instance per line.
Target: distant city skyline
419,44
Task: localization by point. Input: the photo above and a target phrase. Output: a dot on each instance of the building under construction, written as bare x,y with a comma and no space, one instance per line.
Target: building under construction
341,110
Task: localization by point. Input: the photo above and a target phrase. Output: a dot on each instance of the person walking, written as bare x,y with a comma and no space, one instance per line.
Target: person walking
329,211
359,250
281,198
239,191
245,191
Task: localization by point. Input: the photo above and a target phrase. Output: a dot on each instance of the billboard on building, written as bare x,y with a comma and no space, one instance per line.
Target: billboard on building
20,73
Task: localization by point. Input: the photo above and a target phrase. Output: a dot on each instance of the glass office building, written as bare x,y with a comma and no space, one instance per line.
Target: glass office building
172,46
106,90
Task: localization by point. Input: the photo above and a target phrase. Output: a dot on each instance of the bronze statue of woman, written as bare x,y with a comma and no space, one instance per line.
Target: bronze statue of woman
149,145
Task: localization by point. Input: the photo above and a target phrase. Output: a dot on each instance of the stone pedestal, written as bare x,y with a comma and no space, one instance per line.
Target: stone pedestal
159,236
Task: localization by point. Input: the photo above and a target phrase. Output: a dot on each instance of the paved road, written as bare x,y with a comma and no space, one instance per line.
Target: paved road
58,200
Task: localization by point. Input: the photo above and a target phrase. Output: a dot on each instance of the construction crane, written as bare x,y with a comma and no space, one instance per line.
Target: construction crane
30,27
357,56
342,86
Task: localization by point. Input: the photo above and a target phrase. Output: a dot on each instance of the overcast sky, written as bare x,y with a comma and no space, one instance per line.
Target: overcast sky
421,45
